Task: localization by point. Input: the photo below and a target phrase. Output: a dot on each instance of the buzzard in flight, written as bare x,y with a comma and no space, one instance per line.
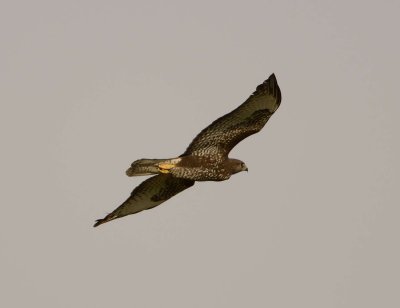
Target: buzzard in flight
206,158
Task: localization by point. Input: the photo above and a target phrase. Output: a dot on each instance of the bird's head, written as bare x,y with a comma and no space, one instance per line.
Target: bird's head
237,165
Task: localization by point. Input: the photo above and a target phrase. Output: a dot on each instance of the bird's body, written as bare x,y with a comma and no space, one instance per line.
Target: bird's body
190,167
206,158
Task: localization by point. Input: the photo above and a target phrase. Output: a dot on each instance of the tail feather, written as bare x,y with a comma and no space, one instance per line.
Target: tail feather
144,167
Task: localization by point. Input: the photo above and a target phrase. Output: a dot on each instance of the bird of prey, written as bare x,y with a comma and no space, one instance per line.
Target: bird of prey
206,158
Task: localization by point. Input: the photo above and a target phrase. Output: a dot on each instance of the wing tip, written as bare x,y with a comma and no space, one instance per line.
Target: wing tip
270,86
98,223
101,221
273,88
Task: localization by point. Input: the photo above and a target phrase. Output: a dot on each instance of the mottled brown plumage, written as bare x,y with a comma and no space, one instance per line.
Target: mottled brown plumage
206,158
147,195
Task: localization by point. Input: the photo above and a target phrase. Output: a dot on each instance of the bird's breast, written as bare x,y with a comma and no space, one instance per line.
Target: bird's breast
200,169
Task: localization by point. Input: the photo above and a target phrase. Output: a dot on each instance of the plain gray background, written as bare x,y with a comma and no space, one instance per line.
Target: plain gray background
86,87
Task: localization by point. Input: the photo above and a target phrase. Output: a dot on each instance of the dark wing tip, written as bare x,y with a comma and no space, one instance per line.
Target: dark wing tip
101,221
98,223
273,88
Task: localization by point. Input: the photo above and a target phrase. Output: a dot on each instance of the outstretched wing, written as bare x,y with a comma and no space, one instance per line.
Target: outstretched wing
147,195
249,118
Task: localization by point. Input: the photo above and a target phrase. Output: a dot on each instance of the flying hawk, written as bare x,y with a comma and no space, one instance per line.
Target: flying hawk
206,158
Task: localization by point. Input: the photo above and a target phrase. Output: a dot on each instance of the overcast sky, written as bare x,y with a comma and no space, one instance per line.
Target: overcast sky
87,87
